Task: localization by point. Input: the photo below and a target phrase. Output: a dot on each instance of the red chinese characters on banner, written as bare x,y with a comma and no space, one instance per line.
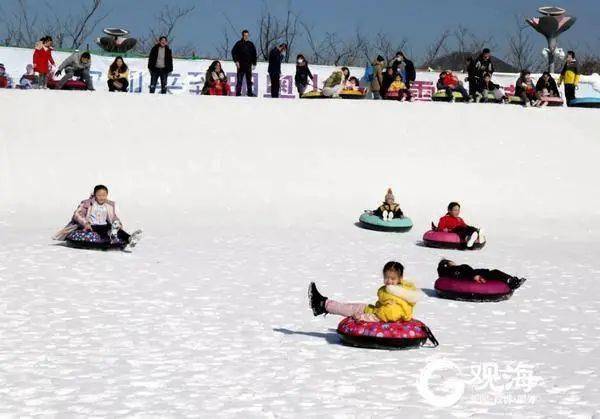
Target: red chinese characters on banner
509,90
422,90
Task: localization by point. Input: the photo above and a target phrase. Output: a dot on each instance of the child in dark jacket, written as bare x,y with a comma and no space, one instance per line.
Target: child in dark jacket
449,269
546,86
303,76
525,89
389,209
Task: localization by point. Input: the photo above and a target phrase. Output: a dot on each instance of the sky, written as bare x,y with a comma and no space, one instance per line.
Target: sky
420,22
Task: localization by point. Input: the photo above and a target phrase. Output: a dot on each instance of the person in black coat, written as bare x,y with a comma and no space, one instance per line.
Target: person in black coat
448,269
474,83
546,85
274,70
388,78
483,64
303,75
404,67
244,55
160,64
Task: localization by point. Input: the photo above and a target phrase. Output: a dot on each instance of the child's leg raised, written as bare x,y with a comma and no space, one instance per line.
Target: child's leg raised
344,309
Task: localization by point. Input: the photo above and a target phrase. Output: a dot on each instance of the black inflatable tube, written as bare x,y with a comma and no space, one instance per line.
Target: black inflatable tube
372,342
474,298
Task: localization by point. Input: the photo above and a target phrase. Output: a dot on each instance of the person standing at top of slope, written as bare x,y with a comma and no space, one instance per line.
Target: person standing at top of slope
244,55
483,64
405,68
303,75
77,65
377,82
395,299
275,58
449,269
98,214
42,60
389,209
452,223
160,64
570,77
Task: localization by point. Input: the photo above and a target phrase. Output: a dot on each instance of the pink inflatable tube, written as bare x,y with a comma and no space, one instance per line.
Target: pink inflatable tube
444,240
469,290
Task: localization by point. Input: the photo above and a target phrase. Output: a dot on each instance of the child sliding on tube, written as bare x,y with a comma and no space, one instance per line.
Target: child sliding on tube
452,223
389,209
98,214
396,299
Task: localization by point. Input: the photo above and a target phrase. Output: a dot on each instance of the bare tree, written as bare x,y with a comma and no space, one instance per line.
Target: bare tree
23,28
435,49
520,47
383,46
166,24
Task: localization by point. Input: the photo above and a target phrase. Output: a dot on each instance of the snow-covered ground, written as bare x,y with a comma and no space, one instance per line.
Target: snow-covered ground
243,203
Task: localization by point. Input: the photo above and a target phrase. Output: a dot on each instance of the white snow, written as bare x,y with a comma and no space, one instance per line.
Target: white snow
243,203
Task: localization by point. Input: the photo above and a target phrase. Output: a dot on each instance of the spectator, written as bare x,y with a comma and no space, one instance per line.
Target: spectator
160,64
570,77
303,74
405,68
377,82
118,76
42,60
28,80
546,85
474,86
336,82
215,82
244,55
388,79
76,65
274,70
525,89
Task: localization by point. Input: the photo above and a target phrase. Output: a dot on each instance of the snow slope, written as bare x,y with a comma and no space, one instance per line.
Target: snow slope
244,202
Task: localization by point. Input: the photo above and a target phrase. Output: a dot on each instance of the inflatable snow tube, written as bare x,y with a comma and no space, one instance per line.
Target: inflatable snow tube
446,240
552,101
70,85
440,96
314,94
469,290
585,102
381,335
353,94
91,240
373,222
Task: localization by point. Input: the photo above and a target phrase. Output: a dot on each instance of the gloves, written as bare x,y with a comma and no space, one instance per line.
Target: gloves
58,73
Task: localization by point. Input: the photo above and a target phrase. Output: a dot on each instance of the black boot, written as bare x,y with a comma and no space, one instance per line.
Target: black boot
316,300
515,282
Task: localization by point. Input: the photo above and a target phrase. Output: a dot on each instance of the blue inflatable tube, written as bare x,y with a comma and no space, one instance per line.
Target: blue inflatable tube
373,222
585,102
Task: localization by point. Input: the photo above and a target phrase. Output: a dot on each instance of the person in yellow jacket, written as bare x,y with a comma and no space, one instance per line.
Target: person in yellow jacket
395,299
570,77
397,89
118,76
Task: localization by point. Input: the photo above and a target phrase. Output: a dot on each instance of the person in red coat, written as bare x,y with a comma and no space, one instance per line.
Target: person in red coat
42,59
215,82
452,223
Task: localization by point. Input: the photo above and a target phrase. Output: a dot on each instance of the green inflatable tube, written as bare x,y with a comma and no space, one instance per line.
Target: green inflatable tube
373,222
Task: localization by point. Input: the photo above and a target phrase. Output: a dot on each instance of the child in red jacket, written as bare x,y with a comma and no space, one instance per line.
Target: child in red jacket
451,222
42,59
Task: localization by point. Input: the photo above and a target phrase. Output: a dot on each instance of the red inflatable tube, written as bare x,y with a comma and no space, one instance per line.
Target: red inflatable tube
382,335
469,290
446,240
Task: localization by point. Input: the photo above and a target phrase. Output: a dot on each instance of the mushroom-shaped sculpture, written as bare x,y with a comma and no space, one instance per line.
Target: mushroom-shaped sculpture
551,24
117,40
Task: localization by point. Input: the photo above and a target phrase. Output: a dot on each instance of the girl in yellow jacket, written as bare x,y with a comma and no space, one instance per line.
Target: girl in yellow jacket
395,299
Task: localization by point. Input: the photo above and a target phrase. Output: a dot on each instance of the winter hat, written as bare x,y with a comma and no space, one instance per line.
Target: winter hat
380,59
389,195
